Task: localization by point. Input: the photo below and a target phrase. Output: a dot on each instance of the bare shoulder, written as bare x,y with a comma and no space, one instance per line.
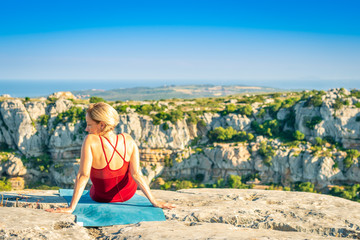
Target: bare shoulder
91,138
128,137
129,140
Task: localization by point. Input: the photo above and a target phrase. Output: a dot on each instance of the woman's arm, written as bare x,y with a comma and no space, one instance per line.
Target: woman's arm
139,179
82,177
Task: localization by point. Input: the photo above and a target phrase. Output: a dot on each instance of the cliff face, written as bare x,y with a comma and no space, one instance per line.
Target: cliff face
22,130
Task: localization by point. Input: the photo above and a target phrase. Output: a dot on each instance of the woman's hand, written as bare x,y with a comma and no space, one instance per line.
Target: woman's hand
164,205
60,210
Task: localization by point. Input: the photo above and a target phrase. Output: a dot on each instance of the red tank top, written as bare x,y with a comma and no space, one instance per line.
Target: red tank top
112,185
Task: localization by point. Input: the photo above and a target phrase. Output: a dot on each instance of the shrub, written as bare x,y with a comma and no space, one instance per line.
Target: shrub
202,123
305,187
96,99
71,115
319,141
355,93
316,100
220,183
5,185
43,120
41,163
221,134
338,104
267,152
357,104
274,108
261,113
168,162
246,110
230,108
250,136
299,135
176,115
165,126
270,128
348,192
27,99
121,108
351,154
184,184
313,122
166,186
234,181
192,118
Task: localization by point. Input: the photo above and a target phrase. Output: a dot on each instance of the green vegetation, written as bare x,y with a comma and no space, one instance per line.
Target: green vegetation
41,163
229,134
5,185
43,120
72,115
278,187
121,108
147,108
339,103
172,116
299,135
304,187
269,128
192,118
165,126
242,109
168,161
315,99
348,192
26,99
267,152
313,122
355,93
233,181
351,155
41,186
96,99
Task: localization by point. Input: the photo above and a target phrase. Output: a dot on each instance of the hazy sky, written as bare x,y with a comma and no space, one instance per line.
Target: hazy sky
195,41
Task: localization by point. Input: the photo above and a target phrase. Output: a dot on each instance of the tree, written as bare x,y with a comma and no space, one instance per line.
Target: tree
96,99
230,108
246,110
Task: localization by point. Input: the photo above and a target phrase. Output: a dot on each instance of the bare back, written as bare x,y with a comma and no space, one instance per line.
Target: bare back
99,159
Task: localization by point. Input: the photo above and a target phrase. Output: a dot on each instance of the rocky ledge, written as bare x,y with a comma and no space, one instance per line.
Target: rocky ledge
200,214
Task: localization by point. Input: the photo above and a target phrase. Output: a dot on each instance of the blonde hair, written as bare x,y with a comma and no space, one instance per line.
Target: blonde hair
103,112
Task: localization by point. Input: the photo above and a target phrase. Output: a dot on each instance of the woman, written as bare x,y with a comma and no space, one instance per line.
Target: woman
111,161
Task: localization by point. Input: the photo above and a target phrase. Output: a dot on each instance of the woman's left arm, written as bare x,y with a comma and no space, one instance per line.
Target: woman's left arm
81,179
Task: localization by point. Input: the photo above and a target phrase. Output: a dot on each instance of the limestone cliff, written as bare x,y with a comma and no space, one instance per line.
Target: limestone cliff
45,126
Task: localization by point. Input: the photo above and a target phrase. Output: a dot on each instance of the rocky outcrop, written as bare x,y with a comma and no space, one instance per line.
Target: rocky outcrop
289,165
339,124
40,126
64,95
200,214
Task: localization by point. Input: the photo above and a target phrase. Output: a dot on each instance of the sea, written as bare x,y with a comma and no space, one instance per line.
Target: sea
40,88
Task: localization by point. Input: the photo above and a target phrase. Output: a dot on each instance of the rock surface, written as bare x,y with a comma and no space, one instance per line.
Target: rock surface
21,129
200,214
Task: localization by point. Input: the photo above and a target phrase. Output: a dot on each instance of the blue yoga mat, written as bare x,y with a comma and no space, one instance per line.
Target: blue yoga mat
95,214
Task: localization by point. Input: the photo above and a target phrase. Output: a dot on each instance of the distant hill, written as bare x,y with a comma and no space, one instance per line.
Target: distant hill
172,91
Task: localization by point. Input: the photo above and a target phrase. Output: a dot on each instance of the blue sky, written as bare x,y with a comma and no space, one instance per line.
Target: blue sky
176,42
